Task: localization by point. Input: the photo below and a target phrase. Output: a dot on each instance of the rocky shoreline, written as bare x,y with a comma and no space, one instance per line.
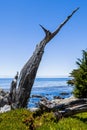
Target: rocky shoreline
67,106
4,105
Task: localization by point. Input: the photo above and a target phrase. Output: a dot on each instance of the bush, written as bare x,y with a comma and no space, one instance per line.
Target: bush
16,120
80,77
23,119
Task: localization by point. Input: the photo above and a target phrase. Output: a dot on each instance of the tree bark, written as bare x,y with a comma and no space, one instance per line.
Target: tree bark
12,94
28,73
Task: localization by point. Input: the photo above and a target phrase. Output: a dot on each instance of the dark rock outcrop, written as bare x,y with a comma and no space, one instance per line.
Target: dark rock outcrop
3,98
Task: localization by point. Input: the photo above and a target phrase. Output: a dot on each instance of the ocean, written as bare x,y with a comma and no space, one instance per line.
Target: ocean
45,87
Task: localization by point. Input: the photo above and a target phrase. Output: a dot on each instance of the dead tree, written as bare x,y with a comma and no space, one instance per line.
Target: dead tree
28,73
12,94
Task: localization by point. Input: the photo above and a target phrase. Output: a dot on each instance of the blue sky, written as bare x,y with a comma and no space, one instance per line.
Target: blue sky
20,32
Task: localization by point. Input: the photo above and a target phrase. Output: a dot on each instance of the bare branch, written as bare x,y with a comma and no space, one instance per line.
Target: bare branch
47,32
65,21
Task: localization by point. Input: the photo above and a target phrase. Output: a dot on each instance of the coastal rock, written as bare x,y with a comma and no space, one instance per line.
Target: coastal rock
3,101
5,108
57,97
44,99
2,92
3,98
36,96
64,93
34,109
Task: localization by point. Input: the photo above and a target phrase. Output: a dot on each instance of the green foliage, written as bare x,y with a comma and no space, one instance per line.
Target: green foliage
77,122
15,120
23,119
80,77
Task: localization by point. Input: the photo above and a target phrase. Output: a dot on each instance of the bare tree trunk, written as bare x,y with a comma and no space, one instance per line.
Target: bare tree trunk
28,73
12,94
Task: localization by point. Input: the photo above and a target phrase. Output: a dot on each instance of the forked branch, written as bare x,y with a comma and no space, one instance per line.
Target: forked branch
52,34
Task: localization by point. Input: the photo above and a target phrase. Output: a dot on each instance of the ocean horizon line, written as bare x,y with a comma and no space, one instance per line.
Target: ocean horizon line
52,76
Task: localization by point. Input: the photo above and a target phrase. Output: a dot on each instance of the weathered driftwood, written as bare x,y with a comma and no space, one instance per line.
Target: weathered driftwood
70,111
74,110
28,73
64,107
61,104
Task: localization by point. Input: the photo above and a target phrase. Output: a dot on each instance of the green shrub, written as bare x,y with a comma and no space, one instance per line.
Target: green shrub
77,122
80,77
14,120
23,119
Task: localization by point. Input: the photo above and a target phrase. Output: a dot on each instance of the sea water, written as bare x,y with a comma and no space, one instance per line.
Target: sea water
45,87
